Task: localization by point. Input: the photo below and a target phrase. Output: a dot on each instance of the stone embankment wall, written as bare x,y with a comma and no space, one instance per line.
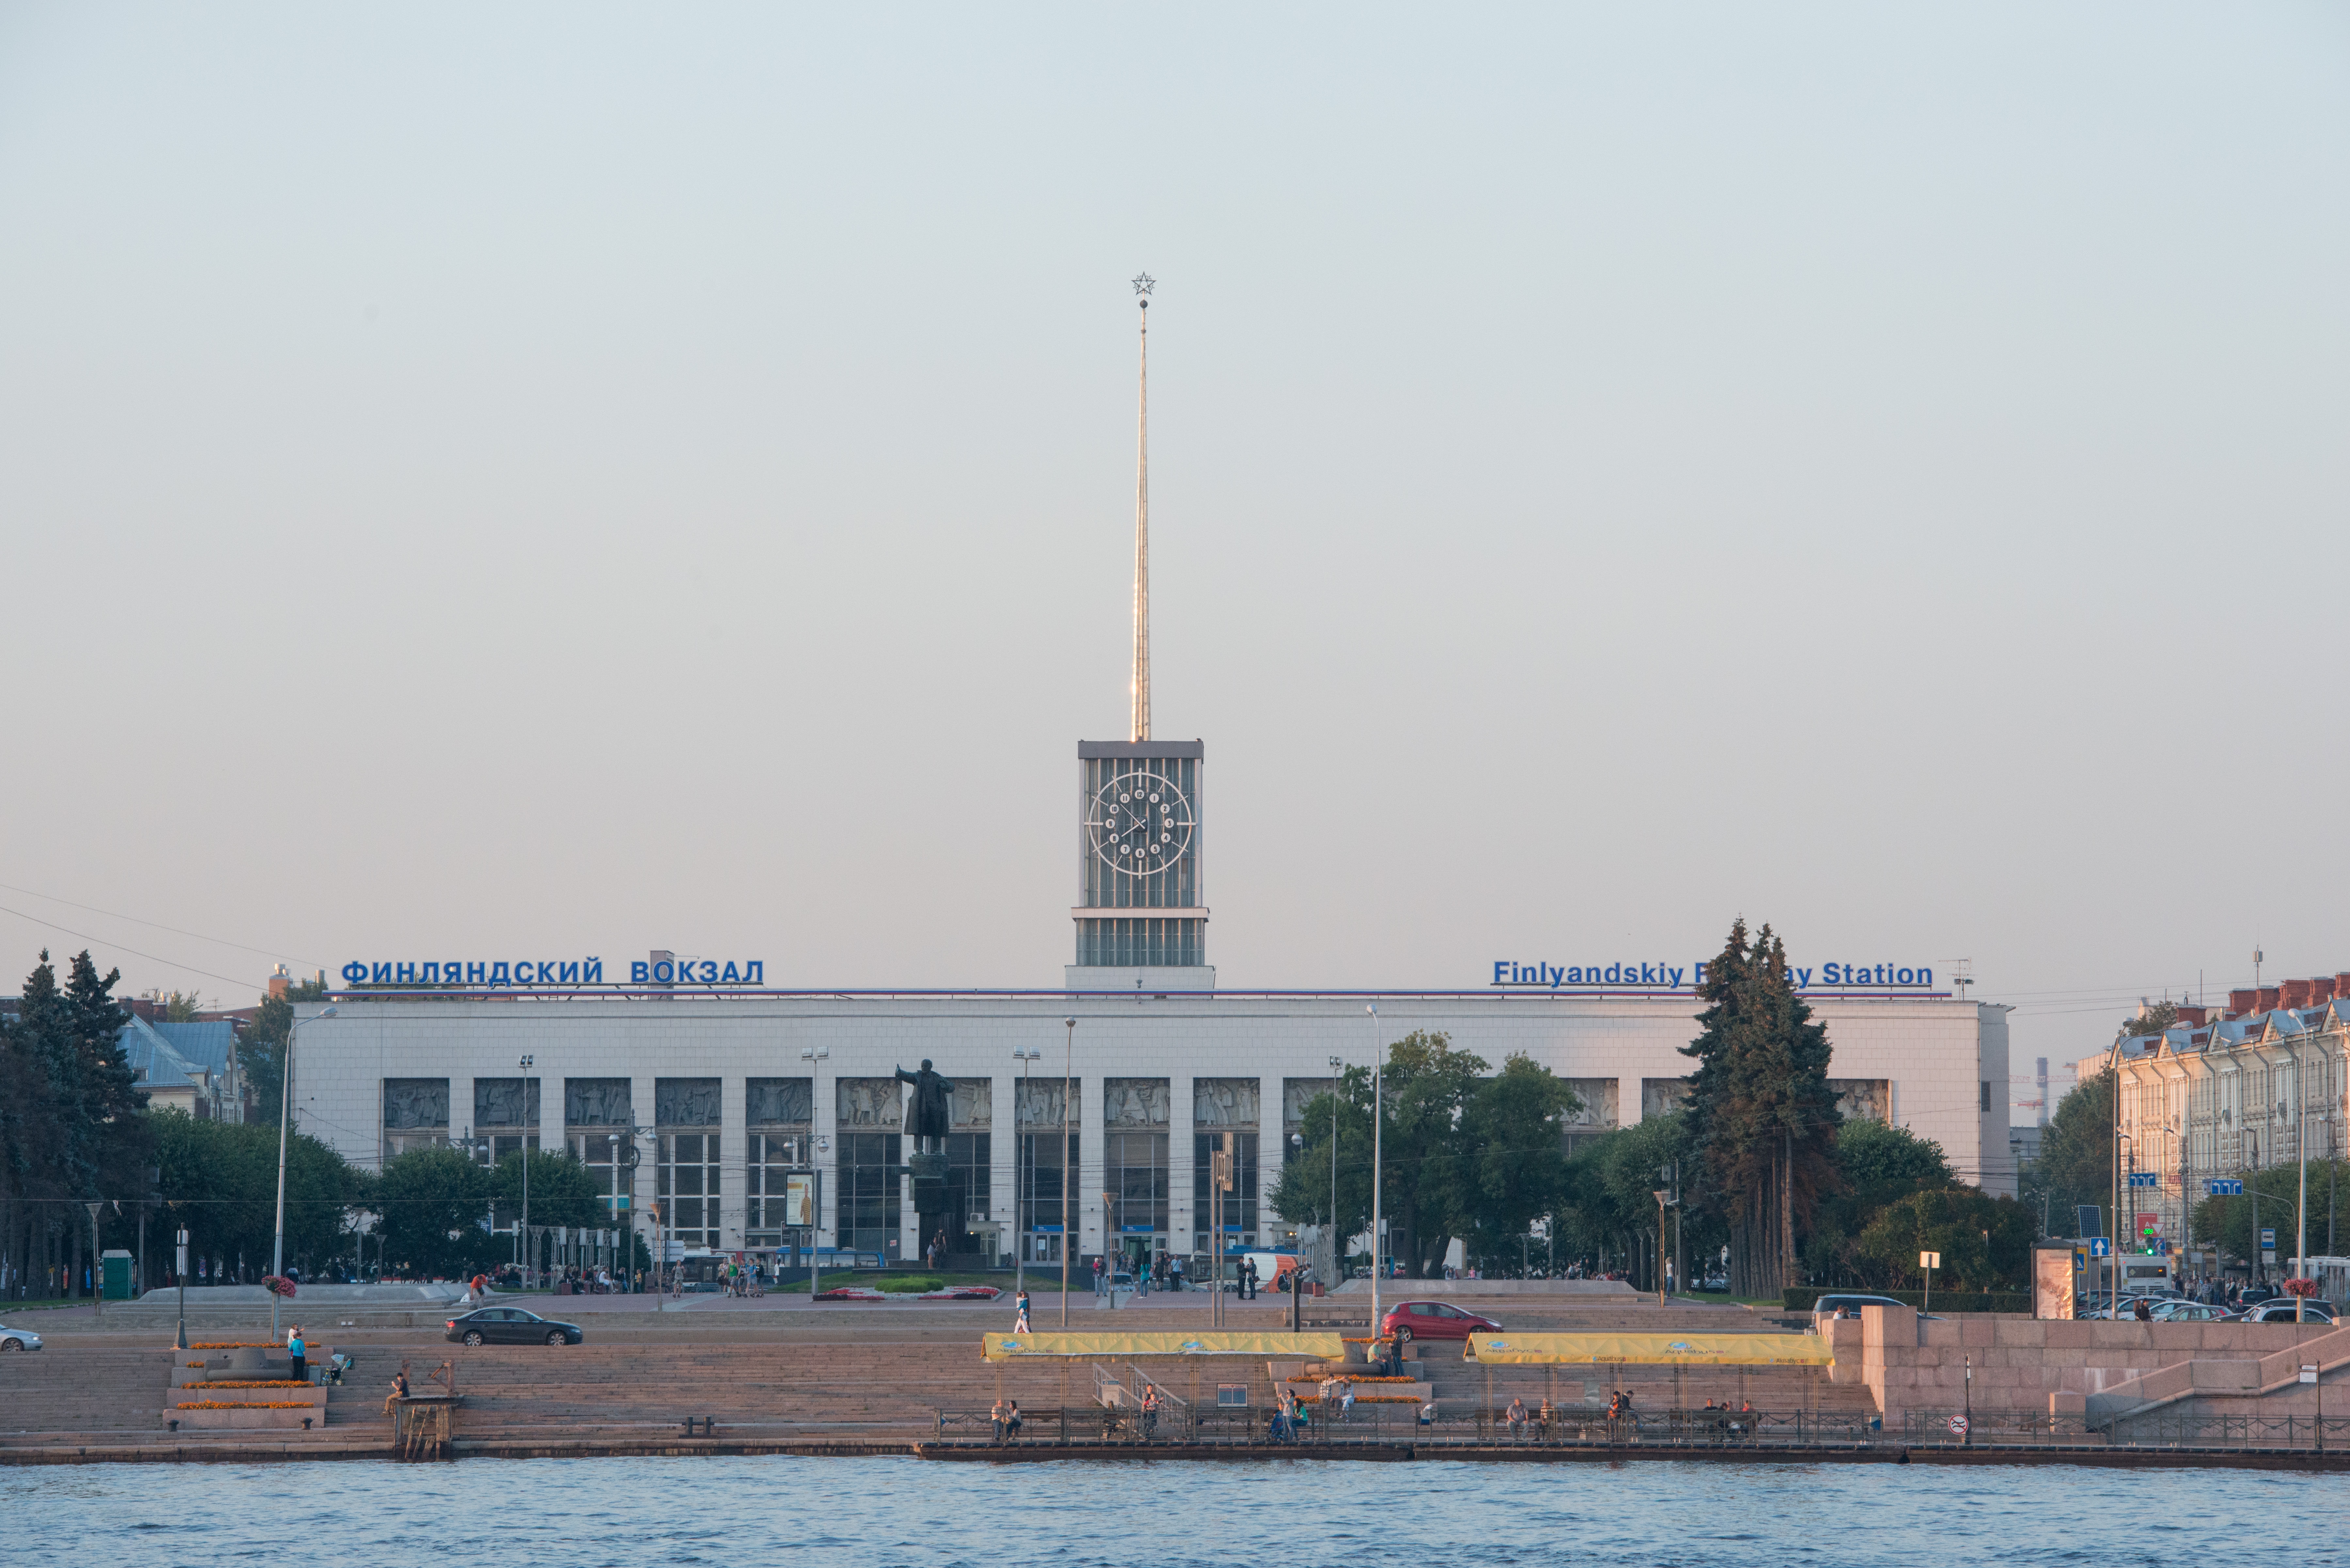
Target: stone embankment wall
2086,1368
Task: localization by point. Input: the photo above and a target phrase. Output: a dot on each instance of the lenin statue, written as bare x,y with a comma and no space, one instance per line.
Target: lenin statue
928,1112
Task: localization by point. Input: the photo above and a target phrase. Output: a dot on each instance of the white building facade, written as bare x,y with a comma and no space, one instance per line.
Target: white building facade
722,1095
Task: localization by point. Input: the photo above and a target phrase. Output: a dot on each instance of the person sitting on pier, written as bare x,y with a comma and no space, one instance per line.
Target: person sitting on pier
1516,1415
1011,1422
399,1390
996,1416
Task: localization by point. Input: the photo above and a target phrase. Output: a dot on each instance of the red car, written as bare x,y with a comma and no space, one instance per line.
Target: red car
1433,1320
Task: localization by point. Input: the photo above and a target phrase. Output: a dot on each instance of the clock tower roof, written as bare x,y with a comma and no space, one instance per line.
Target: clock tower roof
1090,750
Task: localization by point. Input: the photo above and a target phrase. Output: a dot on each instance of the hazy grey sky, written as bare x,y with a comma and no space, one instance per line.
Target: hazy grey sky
494,481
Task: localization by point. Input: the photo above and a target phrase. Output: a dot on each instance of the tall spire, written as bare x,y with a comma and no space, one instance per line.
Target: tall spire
1142,288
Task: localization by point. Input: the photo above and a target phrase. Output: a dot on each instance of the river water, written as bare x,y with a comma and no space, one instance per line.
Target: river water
581,1513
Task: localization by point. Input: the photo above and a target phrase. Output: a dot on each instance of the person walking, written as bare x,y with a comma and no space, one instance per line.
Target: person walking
1020,1314
299,1350
1101,1272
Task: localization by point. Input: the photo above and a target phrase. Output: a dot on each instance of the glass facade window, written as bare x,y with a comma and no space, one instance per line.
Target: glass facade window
687,1187
772,1157
606,1156
1140,942
867,1199
1239,1204
967,1185
1134,1175
1039,1226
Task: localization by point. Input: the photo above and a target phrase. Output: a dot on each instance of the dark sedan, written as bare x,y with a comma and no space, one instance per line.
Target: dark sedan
512,1325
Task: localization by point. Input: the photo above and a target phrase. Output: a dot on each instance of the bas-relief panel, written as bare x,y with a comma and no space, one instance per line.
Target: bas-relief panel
686,1102
1297,1094
1037,1102
505,1102
1662,1097
1224,1102
973,1104
415,1102
868,1103
779,1102
1863,1099
1598,1108
1135,1102
597,1102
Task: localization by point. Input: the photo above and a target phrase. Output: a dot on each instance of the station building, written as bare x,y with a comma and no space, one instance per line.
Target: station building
695,1086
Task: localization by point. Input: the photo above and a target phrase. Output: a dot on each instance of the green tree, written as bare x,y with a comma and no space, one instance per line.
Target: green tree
181,1006
1511,1168
1879,1164
1610,1218
435,1204
2075,1167
1425,1161
220,1180
1302,1192
562,1192
2152,1017
261,1045
1985,1242
2228,1223
1760,1114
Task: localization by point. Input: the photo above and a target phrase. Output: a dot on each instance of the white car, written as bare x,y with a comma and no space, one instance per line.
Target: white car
18,1339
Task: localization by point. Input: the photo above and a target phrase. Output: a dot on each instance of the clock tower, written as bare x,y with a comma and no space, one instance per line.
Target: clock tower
1141,921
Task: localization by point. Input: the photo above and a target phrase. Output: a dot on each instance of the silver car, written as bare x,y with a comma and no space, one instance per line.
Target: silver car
17,1339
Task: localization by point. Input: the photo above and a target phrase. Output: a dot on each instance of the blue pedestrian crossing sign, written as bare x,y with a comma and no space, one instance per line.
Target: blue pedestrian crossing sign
2099,1246
2226,1189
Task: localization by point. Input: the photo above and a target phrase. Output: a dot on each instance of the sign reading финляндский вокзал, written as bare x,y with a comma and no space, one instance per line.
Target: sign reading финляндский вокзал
512,972
1511,974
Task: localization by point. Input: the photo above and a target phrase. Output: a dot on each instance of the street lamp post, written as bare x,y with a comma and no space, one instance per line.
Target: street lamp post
1661,1195
1023,1211
1337,1247
284,1124
529,1267
182,1271
1068,1068
1378,1249
2301,1205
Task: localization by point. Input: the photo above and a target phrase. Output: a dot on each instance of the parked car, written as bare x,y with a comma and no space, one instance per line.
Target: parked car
2280,1310
1826,1306
18,1338
2188,1312
1433,1320
1715,1282
2255,1294
512,1325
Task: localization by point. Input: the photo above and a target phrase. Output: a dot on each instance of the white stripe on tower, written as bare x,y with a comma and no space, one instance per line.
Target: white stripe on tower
1142,286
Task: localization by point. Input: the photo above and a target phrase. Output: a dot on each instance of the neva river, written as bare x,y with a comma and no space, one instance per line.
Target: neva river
584,1513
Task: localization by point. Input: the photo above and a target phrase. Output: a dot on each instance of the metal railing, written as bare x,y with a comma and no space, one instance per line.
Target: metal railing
1374,1424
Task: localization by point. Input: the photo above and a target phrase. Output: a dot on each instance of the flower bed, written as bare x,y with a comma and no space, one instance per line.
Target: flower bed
249,1383
248,1405
238,1345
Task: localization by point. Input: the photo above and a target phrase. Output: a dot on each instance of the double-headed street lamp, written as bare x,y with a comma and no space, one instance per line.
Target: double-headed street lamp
1023,1213
1069,1184
284,1124
1378,1251
530,1264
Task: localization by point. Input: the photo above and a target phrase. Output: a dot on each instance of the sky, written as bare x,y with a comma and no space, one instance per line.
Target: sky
578,480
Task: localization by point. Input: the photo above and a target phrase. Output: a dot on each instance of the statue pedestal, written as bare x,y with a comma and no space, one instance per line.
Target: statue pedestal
929,1173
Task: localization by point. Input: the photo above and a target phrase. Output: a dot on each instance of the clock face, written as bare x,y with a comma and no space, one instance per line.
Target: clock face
1139,822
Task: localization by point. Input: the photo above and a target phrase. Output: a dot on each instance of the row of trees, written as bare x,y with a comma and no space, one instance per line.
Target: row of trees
1758,1164
1466,1153
73,1129
423,1212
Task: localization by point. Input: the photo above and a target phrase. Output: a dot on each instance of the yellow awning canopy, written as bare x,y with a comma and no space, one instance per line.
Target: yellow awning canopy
1669,1349
1019,1347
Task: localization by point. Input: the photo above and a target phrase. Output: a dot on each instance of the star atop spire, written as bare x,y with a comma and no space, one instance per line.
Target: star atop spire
1145,282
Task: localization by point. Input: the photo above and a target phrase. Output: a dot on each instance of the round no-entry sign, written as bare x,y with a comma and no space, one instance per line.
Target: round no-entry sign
1957,1426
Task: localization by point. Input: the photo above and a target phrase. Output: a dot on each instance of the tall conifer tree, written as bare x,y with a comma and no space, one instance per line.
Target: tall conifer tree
1761,1113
